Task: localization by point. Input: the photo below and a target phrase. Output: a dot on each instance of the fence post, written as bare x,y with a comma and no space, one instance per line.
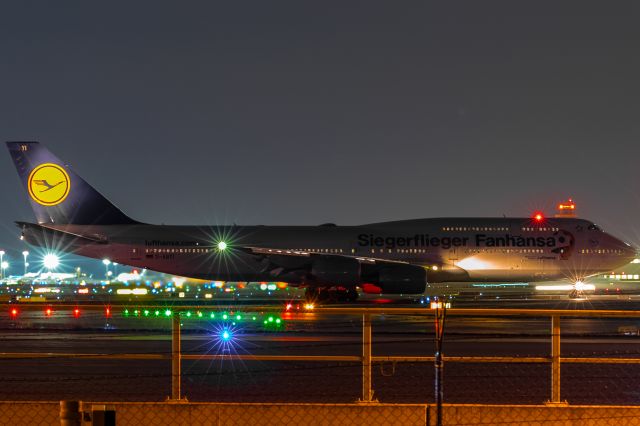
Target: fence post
175,356
70,413
440,315
555,359
367,392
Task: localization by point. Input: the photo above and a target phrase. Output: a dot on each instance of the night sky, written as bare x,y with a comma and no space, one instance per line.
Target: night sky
273,112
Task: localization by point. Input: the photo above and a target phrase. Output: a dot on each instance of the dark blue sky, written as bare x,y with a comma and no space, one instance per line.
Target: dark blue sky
349,112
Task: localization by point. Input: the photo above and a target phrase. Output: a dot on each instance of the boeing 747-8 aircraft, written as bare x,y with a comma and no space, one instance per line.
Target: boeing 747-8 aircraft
397,257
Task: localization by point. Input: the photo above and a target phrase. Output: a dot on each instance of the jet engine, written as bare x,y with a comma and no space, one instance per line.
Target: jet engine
336,270
402,279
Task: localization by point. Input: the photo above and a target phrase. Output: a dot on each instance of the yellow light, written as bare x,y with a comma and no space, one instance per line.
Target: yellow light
474,264
440,305
309,306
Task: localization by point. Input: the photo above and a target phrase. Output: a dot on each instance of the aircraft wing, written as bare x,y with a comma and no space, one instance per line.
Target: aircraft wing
303,266
284,255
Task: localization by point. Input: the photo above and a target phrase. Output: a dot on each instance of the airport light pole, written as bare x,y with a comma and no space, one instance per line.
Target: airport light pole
25,254
106,263
4,265
1,260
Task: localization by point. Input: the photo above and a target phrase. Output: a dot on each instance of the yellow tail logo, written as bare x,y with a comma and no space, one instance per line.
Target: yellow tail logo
48,184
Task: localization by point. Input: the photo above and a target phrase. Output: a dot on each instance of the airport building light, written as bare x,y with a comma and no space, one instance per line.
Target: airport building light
51,261
106,263
25,253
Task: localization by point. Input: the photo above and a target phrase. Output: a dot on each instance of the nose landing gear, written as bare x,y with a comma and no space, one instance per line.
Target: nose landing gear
578,290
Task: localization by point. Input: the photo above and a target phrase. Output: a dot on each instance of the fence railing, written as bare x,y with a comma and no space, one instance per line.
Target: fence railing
366,359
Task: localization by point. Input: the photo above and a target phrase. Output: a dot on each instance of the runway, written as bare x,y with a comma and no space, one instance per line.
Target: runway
315,334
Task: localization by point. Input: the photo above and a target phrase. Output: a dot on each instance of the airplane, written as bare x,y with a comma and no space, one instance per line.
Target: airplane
331,262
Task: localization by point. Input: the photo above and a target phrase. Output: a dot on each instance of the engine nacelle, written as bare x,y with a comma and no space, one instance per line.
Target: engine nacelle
402,279
336,270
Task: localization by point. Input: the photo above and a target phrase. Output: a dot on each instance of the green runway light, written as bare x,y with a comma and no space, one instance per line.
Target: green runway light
199,314
265,322
167,313
225,316
136,313
188,314
146,312
253,318
233,323
238,317
125,312
212,315
222,246
278,321
157,313
270,319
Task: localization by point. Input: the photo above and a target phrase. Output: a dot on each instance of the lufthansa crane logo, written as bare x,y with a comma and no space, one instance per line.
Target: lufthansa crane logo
48,184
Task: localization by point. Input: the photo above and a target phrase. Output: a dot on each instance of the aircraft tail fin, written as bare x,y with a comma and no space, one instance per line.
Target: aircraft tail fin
57,194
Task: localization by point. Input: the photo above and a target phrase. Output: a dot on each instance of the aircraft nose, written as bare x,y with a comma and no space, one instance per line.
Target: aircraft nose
630,252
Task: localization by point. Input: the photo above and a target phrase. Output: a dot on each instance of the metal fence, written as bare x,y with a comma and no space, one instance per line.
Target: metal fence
529,365
205,414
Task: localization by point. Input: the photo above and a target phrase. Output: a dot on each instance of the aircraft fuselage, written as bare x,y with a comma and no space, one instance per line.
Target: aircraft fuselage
451,249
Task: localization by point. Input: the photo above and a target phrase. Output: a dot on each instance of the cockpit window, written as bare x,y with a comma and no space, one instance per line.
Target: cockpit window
594,227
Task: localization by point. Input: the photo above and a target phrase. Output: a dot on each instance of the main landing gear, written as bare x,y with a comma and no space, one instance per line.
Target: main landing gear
578,290
330,295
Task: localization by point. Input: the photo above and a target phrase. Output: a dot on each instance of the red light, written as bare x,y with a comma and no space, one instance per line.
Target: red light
14,312
288,307
48,312
567,205
76,312
371,289
538,217
107,312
